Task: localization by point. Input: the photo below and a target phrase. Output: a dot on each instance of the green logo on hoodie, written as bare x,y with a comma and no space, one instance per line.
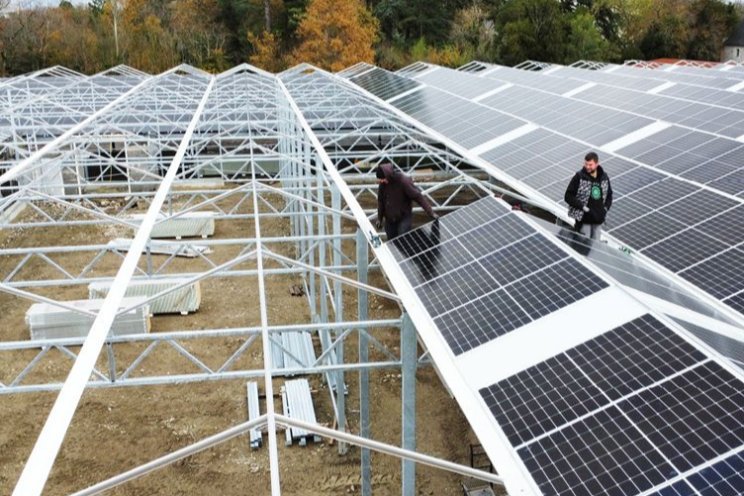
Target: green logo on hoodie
596,192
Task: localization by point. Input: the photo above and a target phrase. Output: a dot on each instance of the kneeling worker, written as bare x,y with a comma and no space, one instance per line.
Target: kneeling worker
394,201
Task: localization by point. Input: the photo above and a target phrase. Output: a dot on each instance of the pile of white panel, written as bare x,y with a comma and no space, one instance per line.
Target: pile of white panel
182,300
297,403
46,321
297,350
162,247
187,225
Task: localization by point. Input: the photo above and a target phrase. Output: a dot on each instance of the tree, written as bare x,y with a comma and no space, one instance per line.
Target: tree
336,34
198,37
414,19
146,43
266,52
473,32
585,41
668,33
532,29
712,21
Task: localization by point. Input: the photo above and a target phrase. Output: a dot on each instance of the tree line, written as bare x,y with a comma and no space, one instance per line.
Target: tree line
154,35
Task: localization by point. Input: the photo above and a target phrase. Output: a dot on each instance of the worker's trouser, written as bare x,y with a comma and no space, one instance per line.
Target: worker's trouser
592,231
395,229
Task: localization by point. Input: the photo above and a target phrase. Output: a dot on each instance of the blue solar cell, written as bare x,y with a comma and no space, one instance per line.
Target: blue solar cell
725,478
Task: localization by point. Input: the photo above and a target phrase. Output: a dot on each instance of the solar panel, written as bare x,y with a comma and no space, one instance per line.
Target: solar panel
647,230
725,478
566,387
680,488
685,249
732,183
655,211
603,454
634,356
577,119
538,400
621,414
384,84
736,302
468,88
632,273
721,275
691,418
467,123
504,275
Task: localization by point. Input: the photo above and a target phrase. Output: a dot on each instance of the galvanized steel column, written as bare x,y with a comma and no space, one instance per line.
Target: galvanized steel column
338,295
362,253
409,358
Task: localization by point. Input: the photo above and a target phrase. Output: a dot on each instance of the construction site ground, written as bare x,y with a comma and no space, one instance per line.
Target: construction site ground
115,429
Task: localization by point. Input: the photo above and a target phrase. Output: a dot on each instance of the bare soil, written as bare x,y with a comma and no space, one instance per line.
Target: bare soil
119,428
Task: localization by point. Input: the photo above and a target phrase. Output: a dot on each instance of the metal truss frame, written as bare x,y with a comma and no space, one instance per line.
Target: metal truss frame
245,145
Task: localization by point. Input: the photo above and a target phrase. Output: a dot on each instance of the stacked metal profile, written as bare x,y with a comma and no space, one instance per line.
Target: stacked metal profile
297,352
190,224
46,321
183,300
297,403
162,248
253,413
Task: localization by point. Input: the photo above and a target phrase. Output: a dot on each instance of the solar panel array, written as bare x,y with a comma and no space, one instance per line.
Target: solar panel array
482,273
467,123
675,187
632,273
634,409
384,84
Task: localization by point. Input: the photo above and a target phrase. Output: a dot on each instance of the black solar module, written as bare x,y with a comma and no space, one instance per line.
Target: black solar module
600,455
639,400
384,84
504,273
588,376
725,478
634,355
693,417
541,398
680,488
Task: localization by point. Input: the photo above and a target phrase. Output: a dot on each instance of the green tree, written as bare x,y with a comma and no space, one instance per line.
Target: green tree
585,41
413,19
712,21
666,37
532,29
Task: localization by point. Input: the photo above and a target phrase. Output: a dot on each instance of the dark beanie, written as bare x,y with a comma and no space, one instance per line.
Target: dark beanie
380,173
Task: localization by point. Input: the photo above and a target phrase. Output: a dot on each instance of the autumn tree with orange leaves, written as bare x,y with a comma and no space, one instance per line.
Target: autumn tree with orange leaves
335,34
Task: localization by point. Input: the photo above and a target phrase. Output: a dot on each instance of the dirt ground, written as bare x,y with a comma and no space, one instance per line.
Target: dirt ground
116,429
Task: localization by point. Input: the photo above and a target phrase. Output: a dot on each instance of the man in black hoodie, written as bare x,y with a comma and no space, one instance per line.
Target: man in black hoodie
394,201
589,197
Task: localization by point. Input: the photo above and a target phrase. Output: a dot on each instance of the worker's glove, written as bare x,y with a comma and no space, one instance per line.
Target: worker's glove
585,209
378,224
435,217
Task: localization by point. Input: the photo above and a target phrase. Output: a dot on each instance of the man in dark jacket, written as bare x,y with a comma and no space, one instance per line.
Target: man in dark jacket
394,201
589,197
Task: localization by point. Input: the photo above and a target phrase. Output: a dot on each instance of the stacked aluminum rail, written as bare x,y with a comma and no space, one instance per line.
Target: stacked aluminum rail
297,403
183,300
188,225
297,352
48,321
253,413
